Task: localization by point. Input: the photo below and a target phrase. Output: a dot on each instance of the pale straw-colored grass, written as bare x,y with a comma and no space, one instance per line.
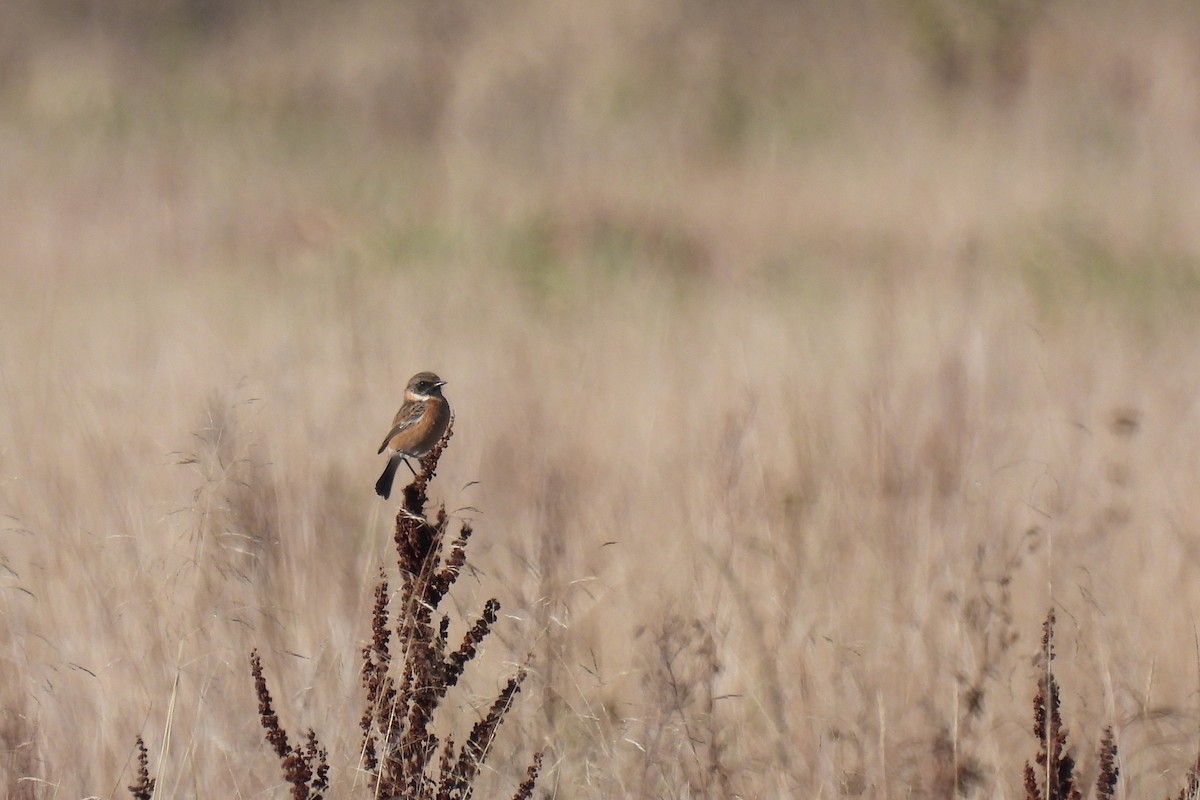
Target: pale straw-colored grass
788,386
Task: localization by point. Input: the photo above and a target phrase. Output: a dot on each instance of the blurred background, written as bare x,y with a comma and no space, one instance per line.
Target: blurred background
803,354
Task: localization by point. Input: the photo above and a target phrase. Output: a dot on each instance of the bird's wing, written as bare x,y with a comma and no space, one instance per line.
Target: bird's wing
406,417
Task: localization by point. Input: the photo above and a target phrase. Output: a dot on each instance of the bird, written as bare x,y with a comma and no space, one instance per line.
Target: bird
418,426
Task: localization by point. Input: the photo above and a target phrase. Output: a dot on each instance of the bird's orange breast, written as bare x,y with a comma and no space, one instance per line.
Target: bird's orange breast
419,438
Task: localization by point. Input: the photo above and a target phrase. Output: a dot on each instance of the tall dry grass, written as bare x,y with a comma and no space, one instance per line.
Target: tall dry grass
794,382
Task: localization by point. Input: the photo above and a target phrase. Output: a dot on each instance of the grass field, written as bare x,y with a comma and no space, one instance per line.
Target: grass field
803,357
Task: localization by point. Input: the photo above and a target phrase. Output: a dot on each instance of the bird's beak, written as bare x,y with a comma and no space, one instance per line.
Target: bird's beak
440,384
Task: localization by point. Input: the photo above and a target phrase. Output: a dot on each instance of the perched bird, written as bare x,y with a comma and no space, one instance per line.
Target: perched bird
418,426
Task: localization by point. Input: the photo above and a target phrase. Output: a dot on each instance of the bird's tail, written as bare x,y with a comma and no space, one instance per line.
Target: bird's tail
383,486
